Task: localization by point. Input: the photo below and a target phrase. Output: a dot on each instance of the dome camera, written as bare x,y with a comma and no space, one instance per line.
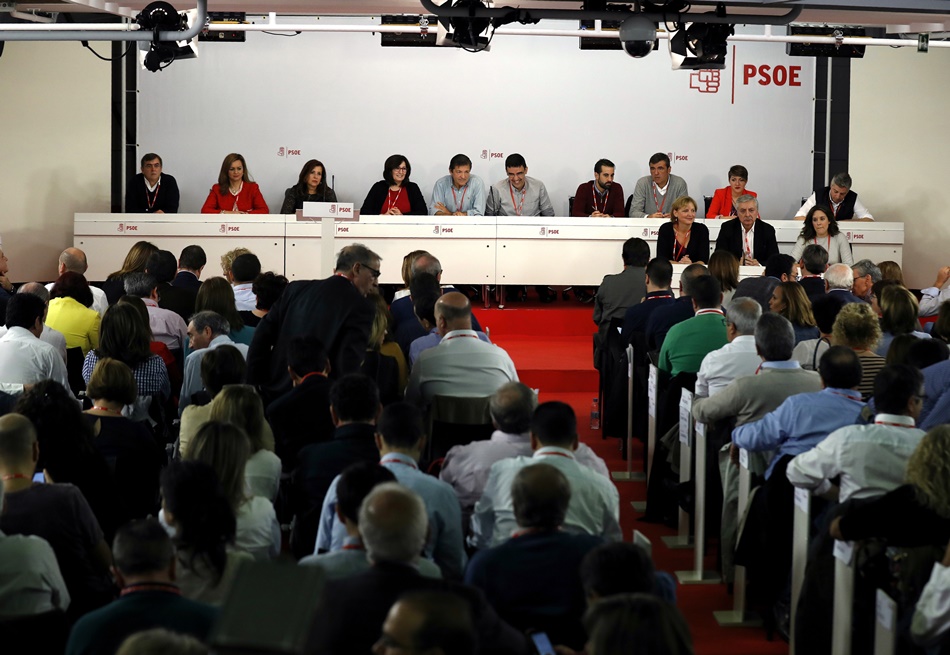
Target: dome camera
638,35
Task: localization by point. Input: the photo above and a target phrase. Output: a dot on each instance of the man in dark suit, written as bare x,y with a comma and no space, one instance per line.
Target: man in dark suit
839,280
190,265
748,237
814,262
778,268
620,291
393,524
334,310
663,318
161,265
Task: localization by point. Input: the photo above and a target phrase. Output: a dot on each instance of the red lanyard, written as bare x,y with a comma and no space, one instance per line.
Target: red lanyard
659,205
106,409
709,311
353,547
151,586
392,200
386,460
894,425
844,395
17,476
665,295
151,202
458,336
554,454
459,203
524,190
593,190
313,374
834,209
680,250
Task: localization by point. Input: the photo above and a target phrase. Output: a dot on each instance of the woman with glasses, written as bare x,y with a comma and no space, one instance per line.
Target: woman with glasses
395,194
311,187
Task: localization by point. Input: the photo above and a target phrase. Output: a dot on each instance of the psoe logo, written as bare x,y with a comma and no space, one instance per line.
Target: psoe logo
645,233
223,228
705,81
293,152
342,228
552,231
447,230
234,228
681,158
484,154
280,151
496,155
435,229
120,228
131,228
543,232
332,209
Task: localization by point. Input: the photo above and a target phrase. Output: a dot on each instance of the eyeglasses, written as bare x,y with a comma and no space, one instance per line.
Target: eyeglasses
400,168
372,270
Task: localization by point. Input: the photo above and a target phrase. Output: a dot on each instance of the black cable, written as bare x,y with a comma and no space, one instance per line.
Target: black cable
297,33
85,44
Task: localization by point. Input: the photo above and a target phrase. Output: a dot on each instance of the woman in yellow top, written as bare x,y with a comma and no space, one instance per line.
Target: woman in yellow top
70,313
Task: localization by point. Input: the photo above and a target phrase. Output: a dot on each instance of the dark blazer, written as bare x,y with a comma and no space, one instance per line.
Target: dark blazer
845,295
764,244
758,288
177,299
814,286
697,248
663,318
352,617
301,417
407,327
166,200
332,310
186,280
376,198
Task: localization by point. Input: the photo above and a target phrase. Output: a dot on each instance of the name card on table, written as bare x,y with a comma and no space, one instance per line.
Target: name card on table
341,211
686,413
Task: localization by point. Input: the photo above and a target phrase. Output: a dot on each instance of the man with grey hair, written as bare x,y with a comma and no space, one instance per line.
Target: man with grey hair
167,326
73,260
738,357
838,283
747,236
865,273
206,330
53,337
840,198
466,467
335,310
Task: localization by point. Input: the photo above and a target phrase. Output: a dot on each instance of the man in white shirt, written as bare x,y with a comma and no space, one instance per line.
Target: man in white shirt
207,330
244,270
53,337
932,297
738,357
167,326
840,198
74,260
461,365
870,459
595,503
24,358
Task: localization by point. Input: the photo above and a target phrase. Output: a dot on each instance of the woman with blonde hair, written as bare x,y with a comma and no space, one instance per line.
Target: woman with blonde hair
240,405
407,263
724,266
385,362
899,310
228,258
682,240
789,300
892,271
857,327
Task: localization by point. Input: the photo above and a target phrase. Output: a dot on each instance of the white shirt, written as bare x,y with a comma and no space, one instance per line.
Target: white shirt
25,359
258,532
860,211
262,474
932,614
99,301
192,383
931,299
244,298
871,459
808,352
594,507
53,337
167,326
462,366
30,580
748,241
722,366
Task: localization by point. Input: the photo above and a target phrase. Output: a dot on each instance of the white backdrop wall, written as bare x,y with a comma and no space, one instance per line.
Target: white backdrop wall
343,99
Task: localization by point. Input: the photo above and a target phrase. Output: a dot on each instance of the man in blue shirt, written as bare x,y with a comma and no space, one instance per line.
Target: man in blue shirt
459,193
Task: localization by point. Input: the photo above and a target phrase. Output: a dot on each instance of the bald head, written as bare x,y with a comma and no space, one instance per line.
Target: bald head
453,311
73,260
17,436
427,263
35,289
393,524
540,494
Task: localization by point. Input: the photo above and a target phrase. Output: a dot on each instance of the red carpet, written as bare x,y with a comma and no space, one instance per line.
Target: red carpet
552,350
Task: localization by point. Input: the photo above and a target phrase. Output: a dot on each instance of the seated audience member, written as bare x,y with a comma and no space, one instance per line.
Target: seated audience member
312,186
839,280
682,239
53,337
69,312
354,409
941,327
57,513
789,300
240,405
814,263
190,264
891,270
267,288
425,296
461,365
877,289
227,260
135,262
384,361
750,239
595,503
898,316
74,260
30,580
724,200
867,460
601,197
934,296
661,319
206,331
151,191
235,193
515,576
387,196
215,295
857,328
435,622
724,266
165,325
195,507
124,337
244,270
900,346
24,357
220,367
926,352
621,291
468,191
159,641
172,365
400,437
636,623
6,287
778,268
163,266
656,190
822,229
67,448
866,273
825,310
352,487
738,357
658,277
840,198
687,343
145,570
393,524
466,467
302,415
623,568
129,448
226,448
931,618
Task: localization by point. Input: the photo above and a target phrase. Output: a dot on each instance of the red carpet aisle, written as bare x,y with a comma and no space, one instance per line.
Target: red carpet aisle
552,349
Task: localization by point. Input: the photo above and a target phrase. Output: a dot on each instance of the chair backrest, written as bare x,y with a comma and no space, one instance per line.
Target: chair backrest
570,206
456,421
40,633
626,207
708,201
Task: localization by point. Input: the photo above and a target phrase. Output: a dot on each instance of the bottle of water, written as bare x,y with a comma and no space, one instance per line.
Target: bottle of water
595,414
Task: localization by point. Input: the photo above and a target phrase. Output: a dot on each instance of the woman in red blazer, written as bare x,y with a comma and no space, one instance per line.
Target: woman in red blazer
723,204
235,193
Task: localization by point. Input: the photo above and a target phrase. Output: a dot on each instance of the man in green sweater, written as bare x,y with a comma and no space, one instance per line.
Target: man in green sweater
687,343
